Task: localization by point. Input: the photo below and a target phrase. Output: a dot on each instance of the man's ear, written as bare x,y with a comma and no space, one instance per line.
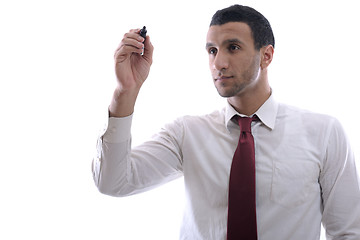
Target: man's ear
267,53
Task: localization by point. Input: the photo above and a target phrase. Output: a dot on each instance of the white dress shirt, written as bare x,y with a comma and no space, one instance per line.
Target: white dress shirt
305,171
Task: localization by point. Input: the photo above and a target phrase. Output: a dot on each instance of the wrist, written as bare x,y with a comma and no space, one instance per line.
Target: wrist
123,103
121,94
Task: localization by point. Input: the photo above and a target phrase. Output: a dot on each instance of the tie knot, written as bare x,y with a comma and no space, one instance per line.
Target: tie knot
245,122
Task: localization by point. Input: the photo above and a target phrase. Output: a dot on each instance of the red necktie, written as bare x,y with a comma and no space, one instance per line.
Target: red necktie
242,205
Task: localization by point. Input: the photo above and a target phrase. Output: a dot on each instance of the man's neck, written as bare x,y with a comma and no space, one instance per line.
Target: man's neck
249,103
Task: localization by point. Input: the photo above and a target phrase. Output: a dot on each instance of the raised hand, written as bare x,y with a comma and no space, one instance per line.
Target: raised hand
131,68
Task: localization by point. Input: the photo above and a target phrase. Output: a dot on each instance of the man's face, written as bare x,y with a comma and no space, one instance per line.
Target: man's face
233,60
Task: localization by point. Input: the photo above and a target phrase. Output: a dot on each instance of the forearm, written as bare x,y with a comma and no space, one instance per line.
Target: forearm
123,103
113,174
113,150
120,170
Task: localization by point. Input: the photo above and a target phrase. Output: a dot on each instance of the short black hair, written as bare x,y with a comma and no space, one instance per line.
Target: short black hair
259,25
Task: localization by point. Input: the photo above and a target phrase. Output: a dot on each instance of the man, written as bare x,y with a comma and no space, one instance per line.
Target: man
304,168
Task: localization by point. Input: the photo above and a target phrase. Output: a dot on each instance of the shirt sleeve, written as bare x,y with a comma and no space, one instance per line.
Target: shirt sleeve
120,170
340,185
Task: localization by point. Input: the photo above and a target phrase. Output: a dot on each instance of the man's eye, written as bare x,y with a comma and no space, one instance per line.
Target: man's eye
212,51
234,47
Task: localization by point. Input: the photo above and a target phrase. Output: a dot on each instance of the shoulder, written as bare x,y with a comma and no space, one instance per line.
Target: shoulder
194,126
292,113
197,123
214,118
309,122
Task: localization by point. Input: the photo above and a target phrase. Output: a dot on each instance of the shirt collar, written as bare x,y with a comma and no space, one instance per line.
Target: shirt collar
266,113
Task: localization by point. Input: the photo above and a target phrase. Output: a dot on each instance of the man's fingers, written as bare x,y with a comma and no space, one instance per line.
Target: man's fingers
131,43
128,49
134,35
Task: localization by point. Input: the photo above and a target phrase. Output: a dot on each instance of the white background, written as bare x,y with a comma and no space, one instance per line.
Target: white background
57,79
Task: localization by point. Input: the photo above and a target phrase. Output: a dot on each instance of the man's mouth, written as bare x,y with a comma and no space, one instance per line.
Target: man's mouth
223,78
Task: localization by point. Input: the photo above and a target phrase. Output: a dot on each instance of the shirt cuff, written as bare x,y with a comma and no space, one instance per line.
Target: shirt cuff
118,129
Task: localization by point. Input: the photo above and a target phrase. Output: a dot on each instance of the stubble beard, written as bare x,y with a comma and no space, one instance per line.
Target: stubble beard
237,87
230,91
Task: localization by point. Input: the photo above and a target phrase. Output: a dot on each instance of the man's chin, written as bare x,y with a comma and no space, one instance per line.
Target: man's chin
226,93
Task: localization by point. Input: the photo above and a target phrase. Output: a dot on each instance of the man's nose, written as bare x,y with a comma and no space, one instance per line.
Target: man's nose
220,61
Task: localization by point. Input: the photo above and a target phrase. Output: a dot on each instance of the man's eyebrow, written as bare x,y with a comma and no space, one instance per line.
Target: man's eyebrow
208,45
233,40
228,41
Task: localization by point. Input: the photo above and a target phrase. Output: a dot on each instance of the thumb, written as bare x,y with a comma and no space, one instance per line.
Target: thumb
149,48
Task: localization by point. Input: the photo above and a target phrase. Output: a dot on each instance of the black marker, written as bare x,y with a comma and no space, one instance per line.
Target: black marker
142,33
